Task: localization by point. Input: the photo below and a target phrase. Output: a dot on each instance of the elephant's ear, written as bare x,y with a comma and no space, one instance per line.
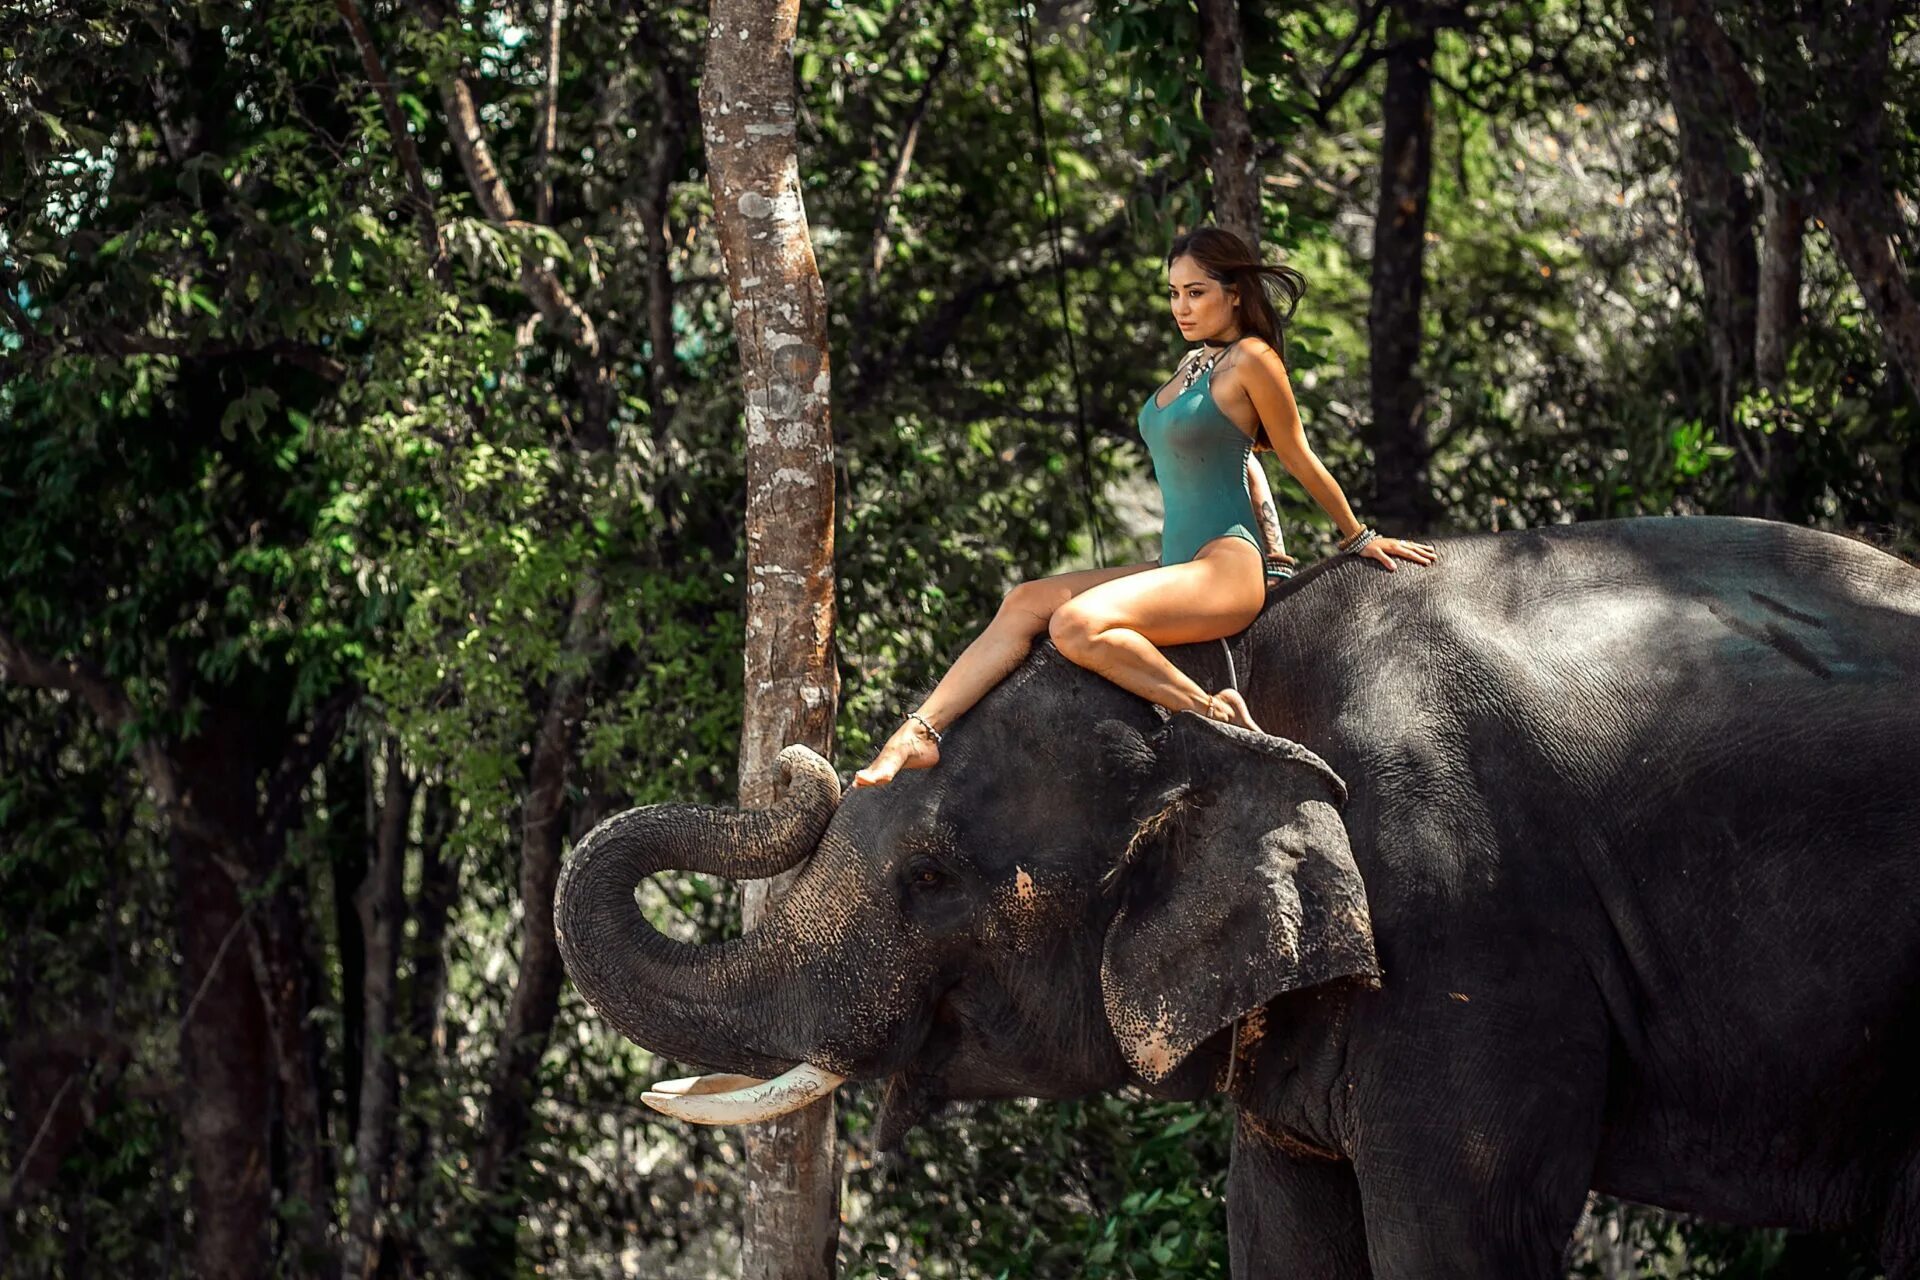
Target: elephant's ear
1237,885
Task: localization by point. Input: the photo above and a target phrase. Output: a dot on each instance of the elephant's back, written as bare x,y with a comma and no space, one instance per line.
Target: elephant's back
1728,614
1582,624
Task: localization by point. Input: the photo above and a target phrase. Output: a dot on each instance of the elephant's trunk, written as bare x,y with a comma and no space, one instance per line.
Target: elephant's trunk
714,1005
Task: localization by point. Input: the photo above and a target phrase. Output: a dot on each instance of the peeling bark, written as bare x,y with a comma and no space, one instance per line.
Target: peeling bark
748,111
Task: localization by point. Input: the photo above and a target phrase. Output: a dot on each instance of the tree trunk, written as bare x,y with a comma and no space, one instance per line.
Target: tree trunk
1777,319
1844,184
1719,213
1402,492
665,159
1236,177
748,112
276,941
536,988
426,993
379,903
351,823
1776,322
226,1054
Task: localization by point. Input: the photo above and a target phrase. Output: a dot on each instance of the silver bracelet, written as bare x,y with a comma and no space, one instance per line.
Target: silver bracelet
1361,538
915,715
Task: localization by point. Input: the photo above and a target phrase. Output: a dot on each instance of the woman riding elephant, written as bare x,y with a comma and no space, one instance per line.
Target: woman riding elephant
1229,399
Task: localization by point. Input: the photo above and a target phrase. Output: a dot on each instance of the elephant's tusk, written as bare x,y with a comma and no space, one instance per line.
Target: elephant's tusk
722,1099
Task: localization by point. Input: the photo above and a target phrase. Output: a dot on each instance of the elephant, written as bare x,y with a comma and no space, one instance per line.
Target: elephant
1588,858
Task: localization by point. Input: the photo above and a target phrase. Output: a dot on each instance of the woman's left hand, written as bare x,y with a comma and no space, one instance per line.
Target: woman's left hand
1384,549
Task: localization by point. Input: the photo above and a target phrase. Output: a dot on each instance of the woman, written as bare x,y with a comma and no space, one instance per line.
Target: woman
1229,397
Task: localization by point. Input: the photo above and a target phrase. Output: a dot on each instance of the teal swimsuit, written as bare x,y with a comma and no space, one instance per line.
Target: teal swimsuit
1200,459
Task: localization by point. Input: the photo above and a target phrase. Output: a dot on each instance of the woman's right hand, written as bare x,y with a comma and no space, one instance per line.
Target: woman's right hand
1383,549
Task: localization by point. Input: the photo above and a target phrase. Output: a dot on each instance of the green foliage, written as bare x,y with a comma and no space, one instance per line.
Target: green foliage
256,455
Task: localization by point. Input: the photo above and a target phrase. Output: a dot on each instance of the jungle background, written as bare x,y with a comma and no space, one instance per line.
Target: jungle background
341,344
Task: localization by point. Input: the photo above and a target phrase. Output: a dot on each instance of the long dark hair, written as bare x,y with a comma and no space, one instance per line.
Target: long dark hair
1227,257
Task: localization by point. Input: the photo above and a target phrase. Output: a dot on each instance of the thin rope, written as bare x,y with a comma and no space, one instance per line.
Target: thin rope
1060,286
1233,1028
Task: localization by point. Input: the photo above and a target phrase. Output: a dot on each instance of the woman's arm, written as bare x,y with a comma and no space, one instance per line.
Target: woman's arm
1265,514
1272,395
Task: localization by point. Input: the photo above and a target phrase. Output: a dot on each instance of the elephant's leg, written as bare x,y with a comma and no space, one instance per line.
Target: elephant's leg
1292,1215
1473,1161
1900,1229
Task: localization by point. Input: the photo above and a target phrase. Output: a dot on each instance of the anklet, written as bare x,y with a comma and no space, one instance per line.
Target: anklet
915,715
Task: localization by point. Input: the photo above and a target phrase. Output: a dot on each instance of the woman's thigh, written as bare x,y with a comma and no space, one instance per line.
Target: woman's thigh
1037,598
1217,593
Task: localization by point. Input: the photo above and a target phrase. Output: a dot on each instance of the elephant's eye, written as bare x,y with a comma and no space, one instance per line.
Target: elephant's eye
924,872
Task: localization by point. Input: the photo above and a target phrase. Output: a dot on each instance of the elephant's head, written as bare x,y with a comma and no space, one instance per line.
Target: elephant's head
1076,896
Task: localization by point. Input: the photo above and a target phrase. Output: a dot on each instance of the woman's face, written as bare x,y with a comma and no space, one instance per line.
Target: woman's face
1202,306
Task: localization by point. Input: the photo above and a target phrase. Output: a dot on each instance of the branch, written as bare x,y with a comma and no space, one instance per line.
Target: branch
20,666
303,757
903,160
403,146
548,135
490,191
1338,80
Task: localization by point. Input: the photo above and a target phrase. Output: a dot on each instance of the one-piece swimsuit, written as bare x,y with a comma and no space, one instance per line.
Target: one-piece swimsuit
1200,461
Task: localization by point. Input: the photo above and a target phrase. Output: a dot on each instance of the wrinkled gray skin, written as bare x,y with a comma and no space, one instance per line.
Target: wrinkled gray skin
1634,804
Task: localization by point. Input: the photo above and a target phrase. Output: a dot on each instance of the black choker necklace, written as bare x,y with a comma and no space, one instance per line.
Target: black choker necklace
1209,342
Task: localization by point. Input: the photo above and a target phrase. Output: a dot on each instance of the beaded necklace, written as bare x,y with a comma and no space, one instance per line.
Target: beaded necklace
1197,367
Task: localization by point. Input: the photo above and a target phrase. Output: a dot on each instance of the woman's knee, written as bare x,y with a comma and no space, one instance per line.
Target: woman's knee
1027,607
1072,629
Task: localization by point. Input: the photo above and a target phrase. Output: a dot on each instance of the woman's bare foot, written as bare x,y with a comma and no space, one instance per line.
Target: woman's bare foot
1235,707
910,747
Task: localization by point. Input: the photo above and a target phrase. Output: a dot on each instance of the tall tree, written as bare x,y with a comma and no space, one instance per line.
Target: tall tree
1236,174
1819,120
1402,493
1720,220
748,112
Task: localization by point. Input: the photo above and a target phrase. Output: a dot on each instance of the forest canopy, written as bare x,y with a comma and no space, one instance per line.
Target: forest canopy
371,512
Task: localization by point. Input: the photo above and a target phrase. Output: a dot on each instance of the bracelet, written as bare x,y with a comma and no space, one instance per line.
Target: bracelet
1360,538
915,715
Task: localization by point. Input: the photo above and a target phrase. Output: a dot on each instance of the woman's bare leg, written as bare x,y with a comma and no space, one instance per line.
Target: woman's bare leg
1116,628
994,653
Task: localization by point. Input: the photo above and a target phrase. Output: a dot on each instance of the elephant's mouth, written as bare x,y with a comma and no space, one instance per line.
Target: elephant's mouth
741,1099
910,1098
